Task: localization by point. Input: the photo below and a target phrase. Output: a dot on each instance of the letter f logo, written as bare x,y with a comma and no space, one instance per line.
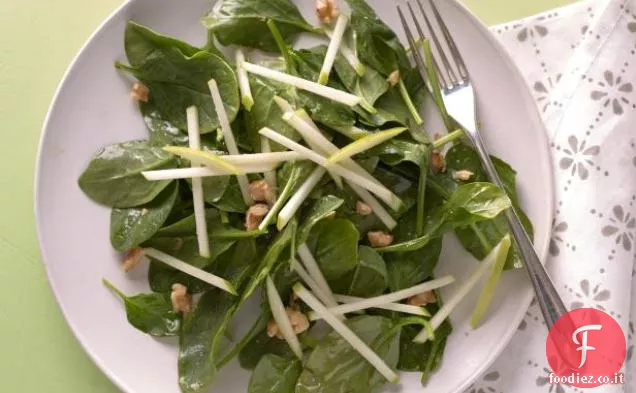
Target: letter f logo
584,347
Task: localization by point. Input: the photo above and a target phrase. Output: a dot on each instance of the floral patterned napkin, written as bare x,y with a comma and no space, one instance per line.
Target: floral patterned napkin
580,63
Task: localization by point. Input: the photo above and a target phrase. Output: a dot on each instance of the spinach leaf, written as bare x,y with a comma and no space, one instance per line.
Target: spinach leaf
150,312
232,199
336,248
244,22
377,44
308,63
162,132
200,338
269,261
266,113
161,277
426,357
371,86
334,366
132,226
370,277
177,81
401,186
214,188
397,151
480,239
262,345
320,210
406,269
113,177
391,106
469,204
237,264
216,228
140,43
275,375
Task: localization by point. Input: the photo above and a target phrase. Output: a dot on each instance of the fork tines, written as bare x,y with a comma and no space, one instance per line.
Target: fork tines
447,60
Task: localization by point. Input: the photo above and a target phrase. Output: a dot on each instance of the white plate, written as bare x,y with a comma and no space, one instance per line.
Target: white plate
92,109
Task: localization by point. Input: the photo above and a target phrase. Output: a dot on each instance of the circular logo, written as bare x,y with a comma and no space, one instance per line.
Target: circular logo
586,348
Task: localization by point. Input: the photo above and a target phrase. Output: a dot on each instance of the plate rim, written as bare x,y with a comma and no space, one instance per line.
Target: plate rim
528,102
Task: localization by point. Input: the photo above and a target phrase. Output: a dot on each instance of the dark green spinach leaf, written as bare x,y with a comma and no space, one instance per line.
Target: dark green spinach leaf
150,312
266,113
262,345
426,357
274,374
320,210
132,226
371,86
200,339
469,204
113,177
334,366
481,238
370,276
140,43
377,44
162,132
244,22
269,262
178,81
308,63
336,247
161,277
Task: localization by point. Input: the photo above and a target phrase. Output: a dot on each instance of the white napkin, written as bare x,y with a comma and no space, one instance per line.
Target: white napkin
580,64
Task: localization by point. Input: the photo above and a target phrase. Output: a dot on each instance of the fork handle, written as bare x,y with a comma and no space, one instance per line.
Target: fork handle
550,302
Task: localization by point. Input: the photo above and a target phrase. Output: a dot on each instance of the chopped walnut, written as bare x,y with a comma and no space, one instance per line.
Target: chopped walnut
393,78
423,299
438,162
327,11
181,300
463,175
363,209
380,238
132,258
298,320
255,215
272,330
139,92
260,191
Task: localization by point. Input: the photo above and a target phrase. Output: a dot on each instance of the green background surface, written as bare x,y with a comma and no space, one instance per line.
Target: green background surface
38,39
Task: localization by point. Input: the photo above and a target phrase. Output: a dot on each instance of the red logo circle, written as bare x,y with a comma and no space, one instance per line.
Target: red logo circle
586,348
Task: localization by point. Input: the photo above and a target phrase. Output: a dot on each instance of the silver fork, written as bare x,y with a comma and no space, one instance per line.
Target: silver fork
457,90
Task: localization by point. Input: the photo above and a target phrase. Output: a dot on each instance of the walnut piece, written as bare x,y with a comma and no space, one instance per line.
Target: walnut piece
380,238
438,162
273,331
260,191
363,209
394,78
327,11
255,215
463,175
423,299
132,258
181,300
139,92
299,322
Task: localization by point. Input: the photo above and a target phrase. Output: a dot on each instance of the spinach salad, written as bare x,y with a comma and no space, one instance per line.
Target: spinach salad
303,178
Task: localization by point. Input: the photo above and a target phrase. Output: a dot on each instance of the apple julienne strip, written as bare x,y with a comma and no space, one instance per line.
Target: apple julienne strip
300,83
